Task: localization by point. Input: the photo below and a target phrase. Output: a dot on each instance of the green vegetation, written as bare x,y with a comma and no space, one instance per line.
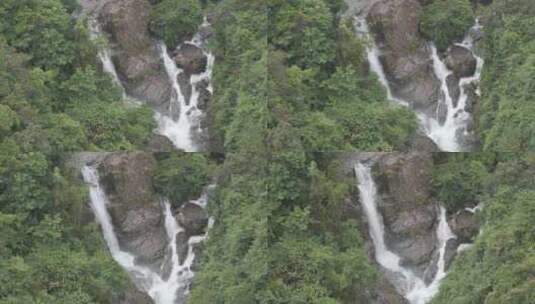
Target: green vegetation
322,95
506,119
238,113
175,20
54,100
462,179
499,267
281,235
446,21
181,176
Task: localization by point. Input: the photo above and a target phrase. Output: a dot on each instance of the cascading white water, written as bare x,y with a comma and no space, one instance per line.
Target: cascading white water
444,233
179,131
373,54
446,134
160,290
411,286
104,54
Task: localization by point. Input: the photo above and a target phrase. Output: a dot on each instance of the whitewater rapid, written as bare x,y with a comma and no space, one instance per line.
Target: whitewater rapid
182,129
160,290
450,134
406,281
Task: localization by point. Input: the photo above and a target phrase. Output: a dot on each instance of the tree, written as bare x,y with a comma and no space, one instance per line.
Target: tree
446,21
175,20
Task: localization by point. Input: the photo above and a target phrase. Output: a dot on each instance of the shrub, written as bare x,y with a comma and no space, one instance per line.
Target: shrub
175,20
445,21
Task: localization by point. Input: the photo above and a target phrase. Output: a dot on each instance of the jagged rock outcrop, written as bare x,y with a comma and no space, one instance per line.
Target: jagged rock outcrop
204,95
190,58
461,61
420,142
386,293
409,212
134,208
134,296
453,88
193,218
135,53
465,225
160,143
406,57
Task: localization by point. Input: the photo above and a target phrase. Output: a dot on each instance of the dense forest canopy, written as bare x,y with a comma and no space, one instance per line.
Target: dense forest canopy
292,87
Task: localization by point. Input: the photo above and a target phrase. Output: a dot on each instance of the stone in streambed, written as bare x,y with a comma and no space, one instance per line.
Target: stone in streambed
461,61
406,57
190,58
465,225
453,88
134,208
135,54
193,218
204,95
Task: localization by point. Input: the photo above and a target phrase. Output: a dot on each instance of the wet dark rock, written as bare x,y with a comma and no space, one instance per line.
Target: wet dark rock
192,218
386,293
414,221
406,58
453,88
442,111
160,143
204,95
134,208
465,225
450,253
415,250
461,61
408,210
133,296
422,143
472,99
182,247
185,86
190,58
431,270
135,54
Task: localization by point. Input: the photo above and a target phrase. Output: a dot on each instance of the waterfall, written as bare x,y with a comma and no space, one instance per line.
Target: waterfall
407,283
373,54
179,131
160,290
104,54
446,135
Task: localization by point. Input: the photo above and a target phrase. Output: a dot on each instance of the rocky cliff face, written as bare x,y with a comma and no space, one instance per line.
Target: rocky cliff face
406,58
134,207
135,53
409,211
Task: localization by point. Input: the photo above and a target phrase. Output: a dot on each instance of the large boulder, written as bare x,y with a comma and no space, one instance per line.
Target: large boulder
421,142
133,296
453,88
190,58
135,54
204,95
465,225
406,57
461,61
134,208
193,218
408,210
386,293
160,143
416,250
